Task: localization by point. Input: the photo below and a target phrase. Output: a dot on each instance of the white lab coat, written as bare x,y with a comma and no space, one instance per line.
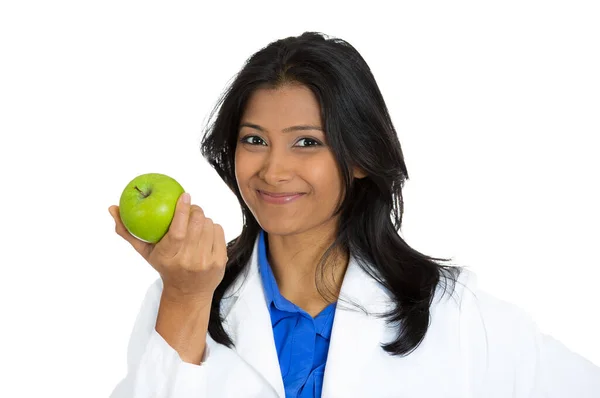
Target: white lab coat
477,346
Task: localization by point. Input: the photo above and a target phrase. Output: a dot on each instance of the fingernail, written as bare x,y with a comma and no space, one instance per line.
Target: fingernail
186,198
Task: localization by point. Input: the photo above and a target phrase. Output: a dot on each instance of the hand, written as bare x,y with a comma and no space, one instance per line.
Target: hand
190,258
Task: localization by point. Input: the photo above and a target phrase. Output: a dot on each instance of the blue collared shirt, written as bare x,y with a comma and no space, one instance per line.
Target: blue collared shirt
302,341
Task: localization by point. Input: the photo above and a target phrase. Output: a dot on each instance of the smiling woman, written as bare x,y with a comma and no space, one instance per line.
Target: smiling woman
320,295
290,181
279,159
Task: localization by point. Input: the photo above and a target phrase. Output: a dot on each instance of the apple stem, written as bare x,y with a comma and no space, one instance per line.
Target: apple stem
140,191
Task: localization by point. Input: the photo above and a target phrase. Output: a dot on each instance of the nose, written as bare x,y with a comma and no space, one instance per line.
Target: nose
278,167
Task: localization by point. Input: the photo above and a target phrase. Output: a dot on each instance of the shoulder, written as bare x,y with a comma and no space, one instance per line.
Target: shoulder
462,293
485,318
490,336
498,340
504,350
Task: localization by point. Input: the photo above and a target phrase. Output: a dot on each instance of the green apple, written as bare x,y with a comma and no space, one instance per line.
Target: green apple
147,205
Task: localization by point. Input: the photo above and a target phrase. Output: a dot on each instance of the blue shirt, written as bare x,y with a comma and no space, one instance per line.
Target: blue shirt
302,341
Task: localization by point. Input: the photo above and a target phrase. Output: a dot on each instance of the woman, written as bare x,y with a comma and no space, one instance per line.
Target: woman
319,295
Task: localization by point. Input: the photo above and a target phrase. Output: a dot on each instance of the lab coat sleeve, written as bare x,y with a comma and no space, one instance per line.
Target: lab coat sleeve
155,369
510,357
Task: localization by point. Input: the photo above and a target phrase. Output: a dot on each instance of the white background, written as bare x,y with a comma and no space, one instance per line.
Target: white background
496,105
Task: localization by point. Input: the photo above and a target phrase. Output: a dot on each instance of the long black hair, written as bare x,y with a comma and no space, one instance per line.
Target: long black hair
360,134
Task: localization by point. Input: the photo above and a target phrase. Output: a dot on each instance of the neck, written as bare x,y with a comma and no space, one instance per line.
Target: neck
294,260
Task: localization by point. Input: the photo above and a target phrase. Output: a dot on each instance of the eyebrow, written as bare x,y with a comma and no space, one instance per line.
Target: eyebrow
303,127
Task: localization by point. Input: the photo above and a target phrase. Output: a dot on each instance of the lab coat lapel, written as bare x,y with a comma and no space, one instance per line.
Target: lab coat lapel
249,324
354,345
356,336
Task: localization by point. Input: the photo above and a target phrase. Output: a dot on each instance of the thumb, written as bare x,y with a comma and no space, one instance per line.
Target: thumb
114,213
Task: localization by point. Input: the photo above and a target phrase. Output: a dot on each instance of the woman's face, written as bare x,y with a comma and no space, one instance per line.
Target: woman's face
282,149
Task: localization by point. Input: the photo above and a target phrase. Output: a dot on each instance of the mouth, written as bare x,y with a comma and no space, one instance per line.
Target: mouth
279,198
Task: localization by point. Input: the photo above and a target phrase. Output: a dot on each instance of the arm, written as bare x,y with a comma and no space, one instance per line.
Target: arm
184,325
155,369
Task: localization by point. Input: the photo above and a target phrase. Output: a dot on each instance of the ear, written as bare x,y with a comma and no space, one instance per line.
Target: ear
358,172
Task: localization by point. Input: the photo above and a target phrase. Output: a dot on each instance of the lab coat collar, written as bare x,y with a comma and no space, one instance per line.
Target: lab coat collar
352,331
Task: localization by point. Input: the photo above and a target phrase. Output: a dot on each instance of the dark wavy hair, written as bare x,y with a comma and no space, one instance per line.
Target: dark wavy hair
360,133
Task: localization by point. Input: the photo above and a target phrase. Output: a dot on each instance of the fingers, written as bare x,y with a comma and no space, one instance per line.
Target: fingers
196,226
141,247
178,229
199,242
219,245
207,240
192,241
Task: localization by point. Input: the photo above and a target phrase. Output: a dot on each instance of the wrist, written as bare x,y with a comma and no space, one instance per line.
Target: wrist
171,295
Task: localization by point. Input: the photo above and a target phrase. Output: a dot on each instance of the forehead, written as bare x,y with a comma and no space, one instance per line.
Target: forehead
283,106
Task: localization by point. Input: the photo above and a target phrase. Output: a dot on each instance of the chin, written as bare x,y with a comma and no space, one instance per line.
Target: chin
277,227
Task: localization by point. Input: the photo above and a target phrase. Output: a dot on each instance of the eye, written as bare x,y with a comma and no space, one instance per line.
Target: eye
315,142
252,140
256,140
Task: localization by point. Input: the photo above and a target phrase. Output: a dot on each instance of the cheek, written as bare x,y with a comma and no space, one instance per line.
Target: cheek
240,175
326,179
241,166
243,174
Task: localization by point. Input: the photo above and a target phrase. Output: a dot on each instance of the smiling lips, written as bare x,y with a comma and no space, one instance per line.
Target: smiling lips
279,198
